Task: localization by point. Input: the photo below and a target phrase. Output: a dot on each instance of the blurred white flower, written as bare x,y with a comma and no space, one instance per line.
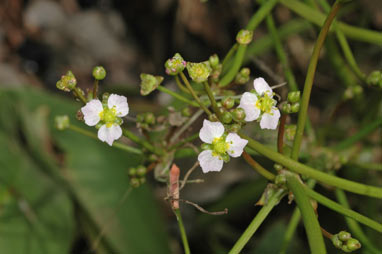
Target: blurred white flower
108,115
219,146
261,105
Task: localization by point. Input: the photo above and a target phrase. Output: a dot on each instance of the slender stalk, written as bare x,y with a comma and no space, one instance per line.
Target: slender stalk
77,92
182,230
288,73
300,168
367,166
186,140
280,134
343,210
313,231
186,125
197,99
302,114
178,96
255,20
354,226
115,144
212,100
256,222
366,130
95,89
228,57
180,85
318,18
256,166
140,141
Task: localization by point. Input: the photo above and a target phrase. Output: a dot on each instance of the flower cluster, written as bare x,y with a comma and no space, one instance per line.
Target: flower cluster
260,105
219,146
106,116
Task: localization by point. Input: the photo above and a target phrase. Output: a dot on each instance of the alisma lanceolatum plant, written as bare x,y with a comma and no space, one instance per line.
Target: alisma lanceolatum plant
207,91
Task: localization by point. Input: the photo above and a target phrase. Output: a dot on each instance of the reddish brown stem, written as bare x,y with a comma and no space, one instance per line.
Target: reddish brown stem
280,137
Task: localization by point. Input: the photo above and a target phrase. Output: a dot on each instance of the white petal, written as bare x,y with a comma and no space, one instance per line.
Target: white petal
109,134
248,103
236,144
208,162
91,112
211,130
120,104
270,121
261,86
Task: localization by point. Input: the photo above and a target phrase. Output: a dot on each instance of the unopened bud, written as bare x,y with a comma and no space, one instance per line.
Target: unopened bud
244,36
353,244
295,107
141,170
286,108
238,114
134,182
234,128
67,82
228,102
149,83
344,236
199,72
214,61
175,65
294,96
149,118
226,117
375,79
186,112
243,76
62,122
99,73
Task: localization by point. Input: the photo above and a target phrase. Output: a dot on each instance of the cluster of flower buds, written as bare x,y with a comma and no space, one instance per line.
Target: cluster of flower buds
67,82
375,79
216,67
233,118
292,105
352,92
137,176
145,120
149,83
242,77
345,242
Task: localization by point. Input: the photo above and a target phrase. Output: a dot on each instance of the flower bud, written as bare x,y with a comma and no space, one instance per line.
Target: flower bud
344,236
186,112
149,83
238,114
67,82
149,118
134,182
290,131
375,79
278,167
215,74
175,65
353,244
199,72
336,242
294,96
132,172
234,128
280,180
286,108
142,180
213,118
62,122
141,170
242,77
214,61
228,102
226,117
295,107
244,36
99,73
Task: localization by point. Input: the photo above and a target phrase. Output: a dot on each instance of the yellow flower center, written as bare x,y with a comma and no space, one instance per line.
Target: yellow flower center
265,103
109,116
219,146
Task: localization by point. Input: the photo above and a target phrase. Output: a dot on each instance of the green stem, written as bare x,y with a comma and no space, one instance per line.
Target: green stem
182,232
95,89
212,100
302,114
184,141
300,168
343,210
256,222
318,18
177,96
255,20
228,57
77,92
354,226
197,99
180,85
359,135
140,141
281,54
367,166
256,166
312,227
115,144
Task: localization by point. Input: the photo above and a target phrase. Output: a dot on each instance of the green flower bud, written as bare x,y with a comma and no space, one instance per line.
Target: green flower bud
67,82
234,128
225,157
142,180
105,98
228,102
242,77
214,61
290,131
99,73
132,172
175,65
295,107
199,72
278,167
294,96
280,180
150,118
244,36
286,108
353,244
149,83
344,236
238,114
141,170
186,112
226,117
62,122
213,118
134,182
215,74
336,242
357,90
140,118
206,146
375,79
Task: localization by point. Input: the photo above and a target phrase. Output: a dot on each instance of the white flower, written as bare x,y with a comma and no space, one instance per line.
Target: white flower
260,105
108,115
220,146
